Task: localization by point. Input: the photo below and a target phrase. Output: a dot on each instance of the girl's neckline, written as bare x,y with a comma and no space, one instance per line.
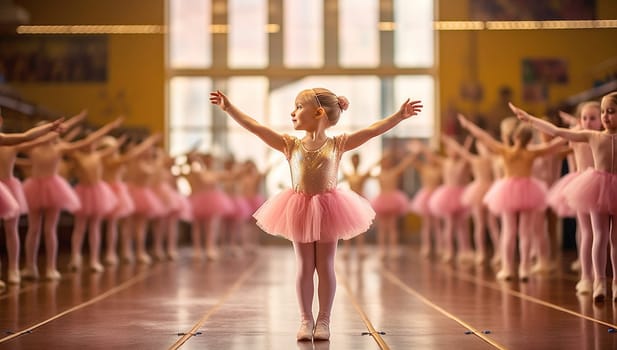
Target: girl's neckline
316,149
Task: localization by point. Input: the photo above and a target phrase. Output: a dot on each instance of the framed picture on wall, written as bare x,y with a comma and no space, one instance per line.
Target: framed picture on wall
538,74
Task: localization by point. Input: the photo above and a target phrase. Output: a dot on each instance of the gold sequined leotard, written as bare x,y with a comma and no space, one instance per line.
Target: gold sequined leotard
313,171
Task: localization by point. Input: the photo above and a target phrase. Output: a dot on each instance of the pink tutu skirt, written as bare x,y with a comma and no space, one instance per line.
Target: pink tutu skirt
327,217
516,194
419,203
593,190
210,203
96,199
255,202
474,193
146,202
176,204
556,196
391,203
446,200
17,190
242,209
52,192
9,207
124,203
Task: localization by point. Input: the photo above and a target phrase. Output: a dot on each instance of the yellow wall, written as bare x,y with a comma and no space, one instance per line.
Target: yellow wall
135,62
498,56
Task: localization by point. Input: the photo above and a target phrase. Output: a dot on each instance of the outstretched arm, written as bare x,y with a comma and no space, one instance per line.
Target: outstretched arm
142,147
568,118
486,138
572,135
456,147
269,136
31,134
408,109
104,130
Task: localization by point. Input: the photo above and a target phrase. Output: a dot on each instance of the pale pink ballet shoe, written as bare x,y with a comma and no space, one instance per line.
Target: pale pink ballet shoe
480,258
212,254
96,267
305,333
599,290
172,255
322,329
446,257
52,275
523,274
111,259
496,260
13,277
504,275
159,255
128,258
30,273
75,264
576,265
584,286
144,258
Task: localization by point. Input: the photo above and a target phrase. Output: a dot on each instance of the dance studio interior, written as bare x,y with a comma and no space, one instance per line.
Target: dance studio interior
308,174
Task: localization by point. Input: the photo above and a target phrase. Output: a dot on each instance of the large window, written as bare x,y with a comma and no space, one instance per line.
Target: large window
263,52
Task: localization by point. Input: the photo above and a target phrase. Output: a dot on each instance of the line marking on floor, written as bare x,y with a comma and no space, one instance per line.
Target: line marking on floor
372,331
395,280
187,335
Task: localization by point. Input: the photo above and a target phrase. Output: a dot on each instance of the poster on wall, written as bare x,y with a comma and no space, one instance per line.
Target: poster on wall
53,59
525,10
538,74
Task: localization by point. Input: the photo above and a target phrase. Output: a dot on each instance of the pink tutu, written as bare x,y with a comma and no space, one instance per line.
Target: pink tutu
419,203
390,203
474,193
17,190
446,200
328,216
256,201
96,199
593,190
210,203
124,203
146,202
516,194
242,209
556,197
51,192
9,207
175,203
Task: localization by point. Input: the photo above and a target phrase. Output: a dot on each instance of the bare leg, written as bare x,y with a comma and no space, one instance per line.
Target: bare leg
12,247
51,243
305,269
140,239
196,232
33,239
392,235
465,253
111,257
172,237
77,241
508,245
448,233
479,219
601,233
425,236
584,286
494,233
324,262
541,243
381,235
127,240
211,232
94,240
526,226
613,246
159,230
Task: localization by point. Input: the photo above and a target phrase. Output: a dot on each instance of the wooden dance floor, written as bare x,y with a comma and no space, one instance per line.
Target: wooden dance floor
250,303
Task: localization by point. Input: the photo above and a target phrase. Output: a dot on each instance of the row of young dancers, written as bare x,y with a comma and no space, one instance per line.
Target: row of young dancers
506,186
127,188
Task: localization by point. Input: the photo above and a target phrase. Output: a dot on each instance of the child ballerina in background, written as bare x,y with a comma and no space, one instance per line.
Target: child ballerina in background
390,204
96,197
595,189
356,181
516,196
429,170
473,195
315,214
12,198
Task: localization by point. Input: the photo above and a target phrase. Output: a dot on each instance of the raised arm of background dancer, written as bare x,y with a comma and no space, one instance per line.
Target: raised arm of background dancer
542,125
269,136
486,138
142,147
74,120
407,110
72,134
26,146
456,147
557,143
111,149
569,119
94,136
31,134
405,163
